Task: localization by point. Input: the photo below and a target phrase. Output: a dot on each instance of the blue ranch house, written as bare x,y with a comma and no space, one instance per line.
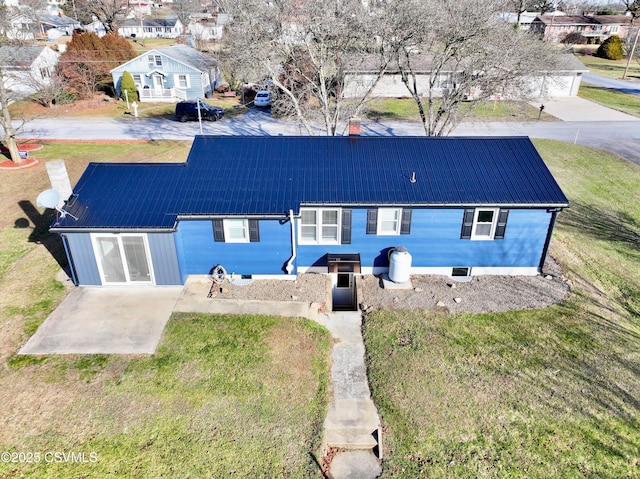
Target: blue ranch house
274,207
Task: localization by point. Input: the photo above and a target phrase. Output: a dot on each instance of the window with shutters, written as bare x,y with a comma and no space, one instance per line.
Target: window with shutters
484,224
320,226
389,221
236,230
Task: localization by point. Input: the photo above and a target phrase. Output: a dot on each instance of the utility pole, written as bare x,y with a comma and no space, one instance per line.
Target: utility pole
633,50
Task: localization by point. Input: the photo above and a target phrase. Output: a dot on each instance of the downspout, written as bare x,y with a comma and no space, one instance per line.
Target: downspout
69,260
289,266
547,241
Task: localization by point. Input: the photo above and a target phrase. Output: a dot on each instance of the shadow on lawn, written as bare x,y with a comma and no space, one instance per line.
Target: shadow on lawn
594,385
40,232
614,226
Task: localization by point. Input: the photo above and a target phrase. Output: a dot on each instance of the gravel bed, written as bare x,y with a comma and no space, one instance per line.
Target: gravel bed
427,292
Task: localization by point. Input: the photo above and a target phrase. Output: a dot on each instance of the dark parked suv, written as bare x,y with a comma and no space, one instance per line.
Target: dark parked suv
188,110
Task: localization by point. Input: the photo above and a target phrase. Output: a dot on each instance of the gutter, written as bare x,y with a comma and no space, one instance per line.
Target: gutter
441,205
111,230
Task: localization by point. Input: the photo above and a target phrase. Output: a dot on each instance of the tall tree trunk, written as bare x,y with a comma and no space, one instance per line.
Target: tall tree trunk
9,138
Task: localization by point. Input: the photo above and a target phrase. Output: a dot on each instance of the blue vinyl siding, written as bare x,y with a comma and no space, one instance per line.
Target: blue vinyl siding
198,253
140,66
164,258
84,259
435,241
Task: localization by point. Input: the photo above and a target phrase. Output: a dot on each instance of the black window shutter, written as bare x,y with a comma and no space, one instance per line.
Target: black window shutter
502,224
254,231
346,227
405,224
372,222
467,224
218,231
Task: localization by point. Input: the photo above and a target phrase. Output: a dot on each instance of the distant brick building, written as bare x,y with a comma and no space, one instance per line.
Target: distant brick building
555,28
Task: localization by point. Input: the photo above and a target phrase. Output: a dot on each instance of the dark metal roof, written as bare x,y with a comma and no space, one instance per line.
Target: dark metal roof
258,175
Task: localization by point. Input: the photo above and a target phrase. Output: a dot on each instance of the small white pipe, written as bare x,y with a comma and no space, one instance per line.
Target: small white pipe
289,267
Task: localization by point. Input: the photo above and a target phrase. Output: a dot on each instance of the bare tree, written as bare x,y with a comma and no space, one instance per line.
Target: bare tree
303,48
457,54
633,7
543,6
9,137
184,9
111,13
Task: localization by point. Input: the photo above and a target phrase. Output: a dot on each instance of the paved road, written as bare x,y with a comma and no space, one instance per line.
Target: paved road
621,137
624,86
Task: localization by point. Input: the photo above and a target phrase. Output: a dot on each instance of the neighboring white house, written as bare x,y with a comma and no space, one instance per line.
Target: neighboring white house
524,22
151,28
55,26
26,69
96,27
562,81
204,27
20,26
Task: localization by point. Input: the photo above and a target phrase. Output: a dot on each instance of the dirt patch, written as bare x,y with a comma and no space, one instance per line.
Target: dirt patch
309,288
428,292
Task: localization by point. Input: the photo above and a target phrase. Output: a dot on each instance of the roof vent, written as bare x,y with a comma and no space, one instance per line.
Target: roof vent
413,177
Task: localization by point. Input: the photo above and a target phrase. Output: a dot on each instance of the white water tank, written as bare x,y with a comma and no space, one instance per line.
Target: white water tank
399,265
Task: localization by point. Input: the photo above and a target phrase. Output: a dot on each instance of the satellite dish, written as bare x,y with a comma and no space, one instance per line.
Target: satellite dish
48,199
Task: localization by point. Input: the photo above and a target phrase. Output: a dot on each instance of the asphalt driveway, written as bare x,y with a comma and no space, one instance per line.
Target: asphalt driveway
106,321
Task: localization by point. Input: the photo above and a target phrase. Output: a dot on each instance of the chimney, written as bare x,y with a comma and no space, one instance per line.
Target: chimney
354,126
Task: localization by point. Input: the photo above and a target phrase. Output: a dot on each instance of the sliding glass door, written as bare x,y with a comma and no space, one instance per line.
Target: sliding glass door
123,258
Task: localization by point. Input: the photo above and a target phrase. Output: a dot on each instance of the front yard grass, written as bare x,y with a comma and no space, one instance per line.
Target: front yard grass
241,396
527,394
235,396
611,68
623,102
406,109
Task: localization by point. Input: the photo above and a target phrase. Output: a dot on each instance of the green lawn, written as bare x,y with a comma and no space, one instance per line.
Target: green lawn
223,396
528,394
406,109
611,68
232,396
623,102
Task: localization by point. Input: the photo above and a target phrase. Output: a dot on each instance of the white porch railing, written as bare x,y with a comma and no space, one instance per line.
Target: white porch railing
166,94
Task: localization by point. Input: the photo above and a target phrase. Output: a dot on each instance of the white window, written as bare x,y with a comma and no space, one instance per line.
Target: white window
182,81
137,79
236,230
484,224
319,226
389,221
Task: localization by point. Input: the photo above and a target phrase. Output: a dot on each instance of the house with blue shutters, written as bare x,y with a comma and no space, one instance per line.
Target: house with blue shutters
171,74
275,207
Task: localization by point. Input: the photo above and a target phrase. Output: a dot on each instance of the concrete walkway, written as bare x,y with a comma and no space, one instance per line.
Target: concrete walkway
131,320
352,424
